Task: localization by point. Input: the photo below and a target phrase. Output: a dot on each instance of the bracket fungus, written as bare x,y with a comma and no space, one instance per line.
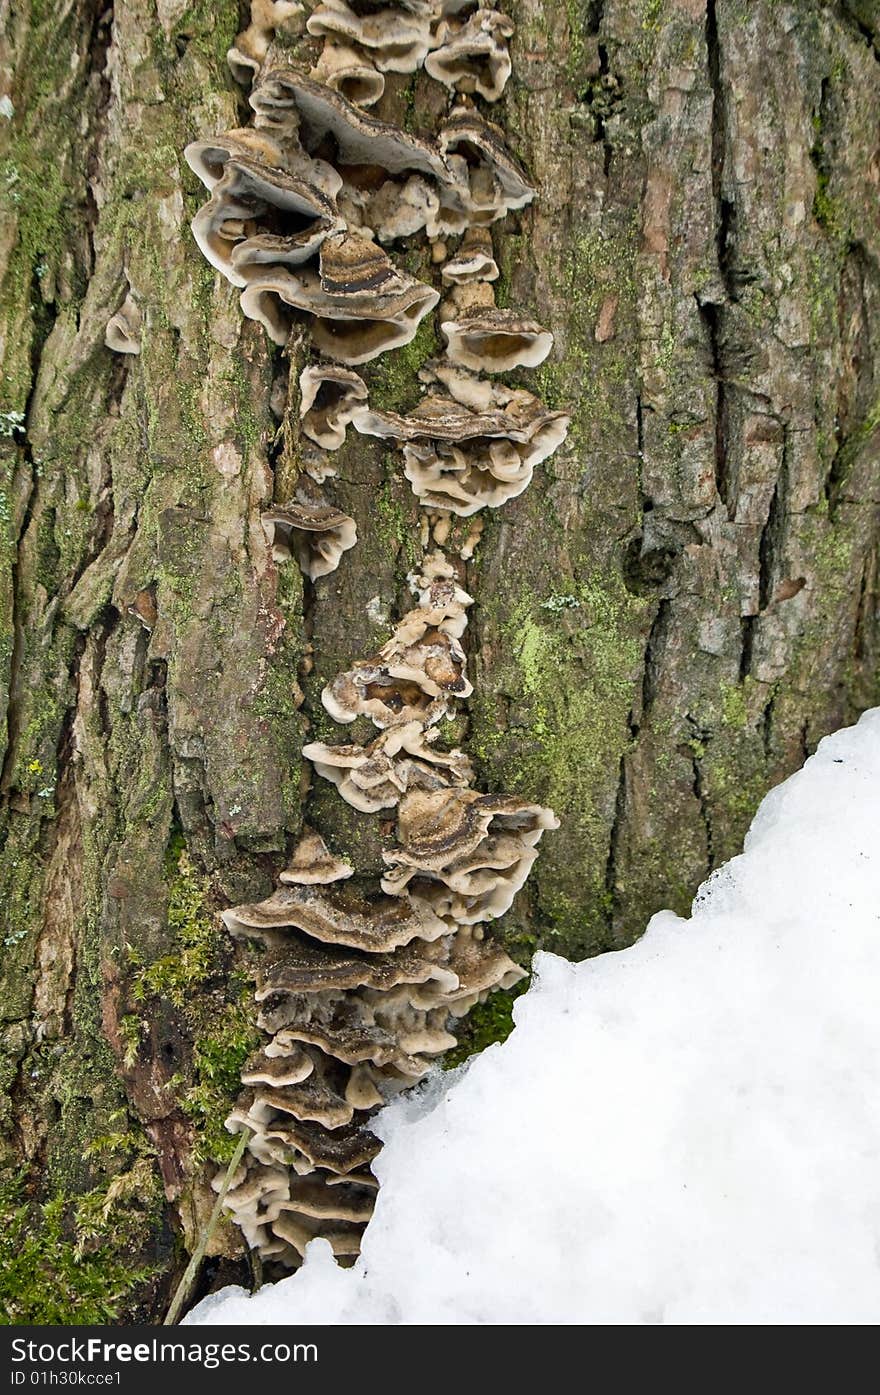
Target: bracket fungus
361,980
245,57
123,332
460,460
344,68
494,341
315,534
396,39
329,397
474,260
361,304
258,214
487,182
471,54
375,776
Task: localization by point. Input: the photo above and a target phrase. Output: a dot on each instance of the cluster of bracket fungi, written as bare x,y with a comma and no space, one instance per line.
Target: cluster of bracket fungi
357,986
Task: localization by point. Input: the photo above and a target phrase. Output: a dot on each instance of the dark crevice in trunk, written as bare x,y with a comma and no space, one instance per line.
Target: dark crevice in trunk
601,129
100,41
595,15
747,645
766,725
712,311
700,796
857,26
611,897
769,559
653,656
712,317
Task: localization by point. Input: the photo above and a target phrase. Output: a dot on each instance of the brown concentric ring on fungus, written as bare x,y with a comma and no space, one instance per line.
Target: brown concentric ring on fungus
298,967
315,534
474,260
471,55
436,827
396,41
208,156
340,915
123,332
363,305
494,341
374,777
360,139
486,181
234,229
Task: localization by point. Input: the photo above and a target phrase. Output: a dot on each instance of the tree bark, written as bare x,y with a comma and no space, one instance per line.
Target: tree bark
682,604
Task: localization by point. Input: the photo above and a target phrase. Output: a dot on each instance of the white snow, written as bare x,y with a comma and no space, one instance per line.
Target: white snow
684,1132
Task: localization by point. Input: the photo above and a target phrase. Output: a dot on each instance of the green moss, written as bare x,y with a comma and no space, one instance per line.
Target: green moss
197,958
51,1270
218,1061
733,704
569,682
485,1024
394,381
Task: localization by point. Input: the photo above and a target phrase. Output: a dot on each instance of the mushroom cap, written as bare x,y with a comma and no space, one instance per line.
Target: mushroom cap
314,1100
360,139
363,304
472,55
207,157
373,777
398,42
348,71
289,1069
228,227
315,533
329,396
341,916
487,182
313,863
298,967
436,827
246,55
123,332
342,1150
494,341
474,260
298,1230
345,1201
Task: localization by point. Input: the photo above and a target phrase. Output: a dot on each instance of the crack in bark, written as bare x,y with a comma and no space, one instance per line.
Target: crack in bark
654,645
857,25
699,792
711,311
615,834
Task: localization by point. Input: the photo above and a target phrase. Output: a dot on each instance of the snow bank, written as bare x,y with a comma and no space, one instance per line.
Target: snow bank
685,1132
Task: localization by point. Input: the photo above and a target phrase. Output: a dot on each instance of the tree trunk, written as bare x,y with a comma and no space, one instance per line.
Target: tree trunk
682,604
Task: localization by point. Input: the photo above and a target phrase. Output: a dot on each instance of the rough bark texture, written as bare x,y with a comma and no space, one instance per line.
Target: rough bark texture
668,620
